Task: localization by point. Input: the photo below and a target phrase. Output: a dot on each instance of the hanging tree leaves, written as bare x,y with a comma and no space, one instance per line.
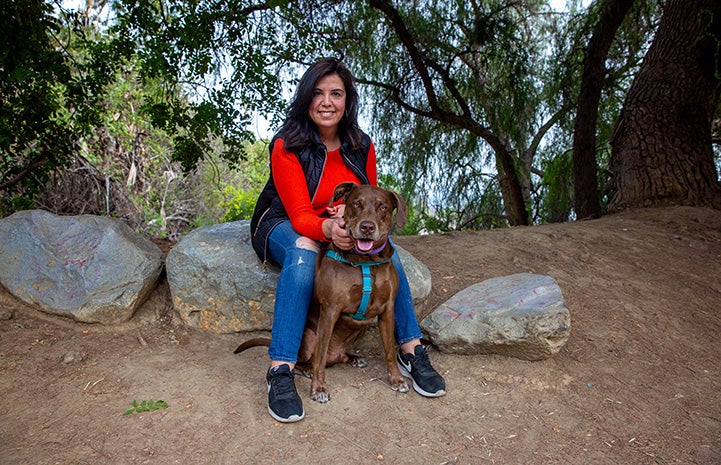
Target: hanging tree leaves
471,103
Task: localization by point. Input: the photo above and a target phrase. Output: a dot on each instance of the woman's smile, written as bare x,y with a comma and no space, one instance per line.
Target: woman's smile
328,105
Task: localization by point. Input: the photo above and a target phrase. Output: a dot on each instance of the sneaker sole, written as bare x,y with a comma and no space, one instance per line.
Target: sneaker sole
416,387
290,419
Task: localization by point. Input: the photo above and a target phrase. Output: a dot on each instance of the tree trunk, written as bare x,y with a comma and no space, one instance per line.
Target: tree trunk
661,145
511,189
585,176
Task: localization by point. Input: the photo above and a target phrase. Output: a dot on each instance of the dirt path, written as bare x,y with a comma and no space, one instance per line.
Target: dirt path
639,381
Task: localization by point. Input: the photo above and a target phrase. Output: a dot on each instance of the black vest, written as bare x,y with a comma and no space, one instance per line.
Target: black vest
269,210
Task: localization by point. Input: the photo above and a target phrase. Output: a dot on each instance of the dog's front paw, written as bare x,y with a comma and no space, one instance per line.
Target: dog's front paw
399,384
320,395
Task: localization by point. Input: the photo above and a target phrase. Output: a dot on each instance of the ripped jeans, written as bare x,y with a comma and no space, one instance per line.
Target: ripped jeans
295,291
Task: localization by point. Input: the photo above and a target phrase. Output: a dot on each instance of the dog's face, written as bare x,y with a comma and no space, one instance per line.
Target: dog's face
369,213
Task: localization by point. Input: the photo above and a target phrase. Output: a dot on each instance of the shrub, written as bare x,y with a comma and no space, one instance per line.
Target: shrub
240,204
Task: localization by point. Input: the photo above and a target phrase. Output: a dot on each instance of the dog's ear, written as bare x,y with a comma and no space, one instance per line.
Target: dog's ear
401,209
342,190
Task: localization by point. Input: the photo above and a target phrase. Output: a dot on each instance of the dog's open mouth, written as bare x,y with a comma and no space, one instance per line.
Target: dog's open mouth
364,245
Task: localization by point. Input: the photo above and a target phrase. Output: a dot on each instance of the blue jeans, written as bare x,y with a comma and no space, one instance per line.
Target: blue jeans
295,291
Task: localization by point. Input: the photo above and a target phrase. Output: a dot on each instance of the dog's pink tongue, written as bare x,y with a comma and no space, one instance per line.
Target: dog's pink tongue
364,245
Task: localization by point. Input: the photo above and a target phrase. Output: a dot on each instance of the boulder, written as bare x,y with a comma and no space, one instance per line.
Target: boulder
91,268
218,284
418,275
521,315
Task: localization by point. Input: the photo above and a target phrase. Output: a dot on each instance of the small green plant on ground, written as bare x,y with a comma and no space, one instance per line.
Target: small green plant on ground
146,406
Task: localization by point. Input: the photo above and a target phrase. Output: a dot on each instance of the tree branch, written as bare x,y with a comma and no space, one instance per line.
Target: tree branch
21,175
422,63
533,147
409,43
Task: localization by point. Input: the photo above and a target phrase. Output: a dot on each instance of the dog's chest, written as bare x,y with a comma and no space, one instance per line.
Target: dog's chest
347,287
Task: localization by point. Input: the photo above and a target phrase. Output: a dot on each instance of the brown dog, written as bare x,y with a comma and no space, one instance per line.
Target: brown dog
340,312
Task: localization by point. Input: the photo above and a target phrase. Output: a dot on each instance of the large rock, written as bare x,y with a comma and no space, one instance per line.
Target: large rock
521,315
218,283
418,275
90,268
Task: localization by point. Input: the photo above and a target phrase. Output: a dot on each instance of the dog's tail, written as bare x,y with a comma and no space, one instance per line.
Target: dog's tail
256,342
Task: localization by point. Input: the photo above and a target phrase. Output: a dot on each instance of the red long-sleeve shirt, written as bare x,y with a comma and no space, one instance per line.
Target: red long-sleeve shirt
306,214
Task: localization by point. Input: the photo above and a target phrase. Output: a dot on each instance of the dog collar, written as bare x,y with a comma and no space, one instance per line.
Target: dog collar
365,267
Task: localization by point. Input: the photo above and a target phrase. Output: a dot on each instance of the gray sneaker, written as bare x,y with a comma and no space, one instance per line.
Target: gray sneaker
284,403
426,380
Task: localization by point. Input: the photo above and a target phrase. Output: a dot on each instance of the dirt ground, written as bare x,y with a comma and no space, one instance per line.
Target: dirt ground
639,381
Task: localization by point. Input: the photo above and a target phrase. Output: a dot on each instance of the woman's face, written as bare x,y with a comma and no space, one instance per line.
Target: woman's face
328,105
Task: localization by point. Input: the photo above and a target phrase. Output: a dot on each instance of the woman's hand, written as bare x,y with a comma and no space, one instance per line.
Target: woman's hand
334,228
339,235
336,211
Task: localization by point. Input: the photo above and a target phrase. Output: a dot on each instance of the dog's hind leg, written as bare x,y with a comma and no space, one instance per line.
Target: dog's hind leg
304,369
356,361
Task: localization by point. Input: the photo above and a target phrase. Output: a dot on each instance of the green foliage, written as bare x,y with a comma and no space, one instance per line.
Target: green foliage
484,63
58,67
156,103
240,197
240,204
114,139
216,48
557,182
507,73
33,79
53,87
146,406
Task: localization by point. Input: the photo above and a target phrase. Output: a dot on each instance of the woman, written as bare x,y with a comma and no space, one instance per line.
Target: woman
319,146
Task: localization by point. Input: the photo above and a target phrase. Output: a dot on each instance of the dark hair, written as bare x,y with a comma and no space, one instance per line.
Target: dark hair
297,129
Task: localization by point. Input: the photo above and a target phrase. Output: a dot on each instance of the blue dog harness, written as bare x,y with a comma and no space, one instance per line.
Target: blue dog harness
367,281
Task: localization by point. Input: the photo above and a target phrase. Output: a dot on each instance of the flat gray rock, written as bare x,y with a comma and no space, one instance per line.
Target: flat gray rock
521,315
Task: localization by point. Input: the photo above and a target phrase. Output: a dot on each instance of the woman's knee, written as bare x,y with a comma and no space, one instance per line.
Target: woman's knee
307,243
301,257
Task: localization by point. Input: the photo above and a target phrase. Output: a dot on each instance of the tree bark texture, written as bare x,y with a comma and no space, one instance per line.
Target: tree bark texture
511,189
585,173
661,145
